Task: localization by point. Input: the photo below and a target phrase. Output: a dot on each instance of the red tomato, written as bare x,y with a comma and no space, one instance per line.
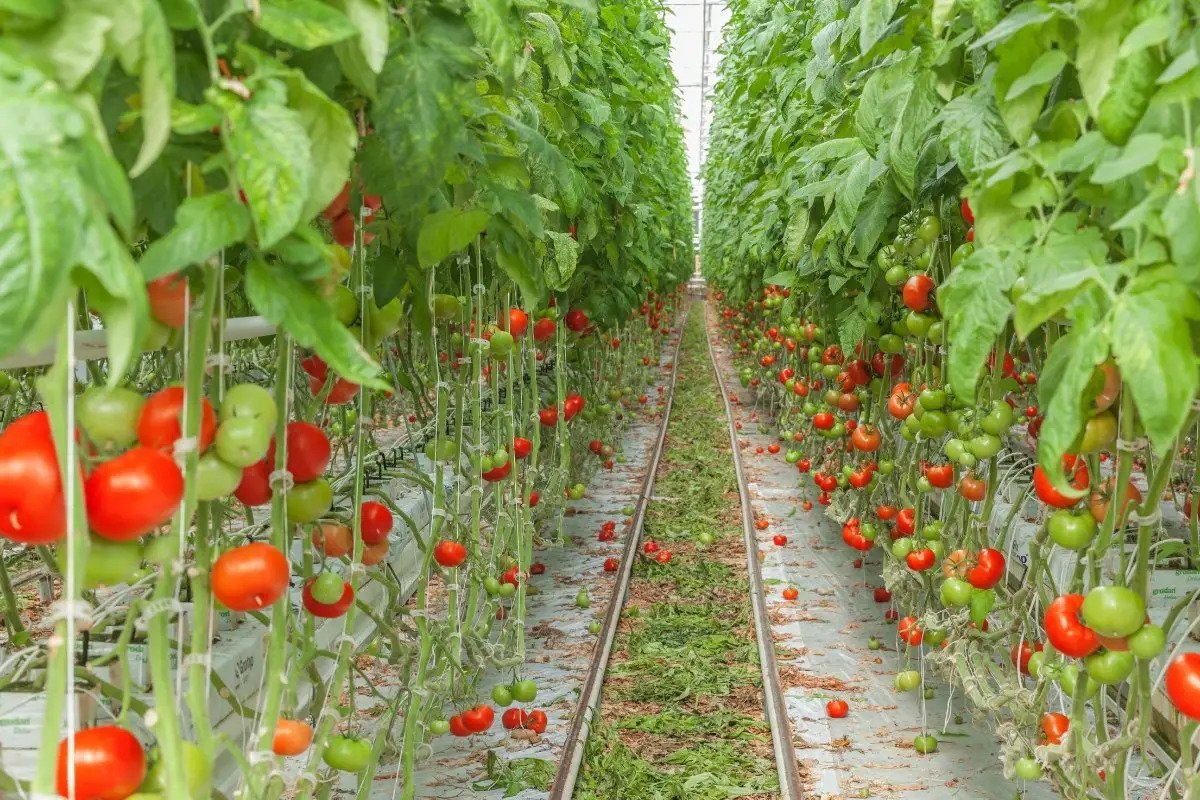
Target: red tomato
333,539
537,721
327,610
518,323
250,577
1055,727
449,554
837,709
940,476
921,560
498,473
522,447
543,329
1183,684
292,737
906,521
161,420
572,406
972,488
132,494
910,632
308,451
780,540
255,488
1064,630
916,292
32,507
342,390
548,416
338,205
109,764
513,718
533,498
458,727
866,438
479,718
611,564
882,595
1051,496
376,522
790,593
576,320
988,570
967,215
885,512
168,298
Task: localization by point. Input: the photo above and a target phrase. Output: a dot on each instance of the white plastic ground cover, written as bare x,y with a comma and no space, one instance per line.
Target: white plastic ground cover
823,654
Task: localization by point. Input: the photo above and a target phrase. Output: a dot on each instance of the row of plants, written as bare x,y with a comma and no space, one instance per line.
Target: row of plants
952,241
419,200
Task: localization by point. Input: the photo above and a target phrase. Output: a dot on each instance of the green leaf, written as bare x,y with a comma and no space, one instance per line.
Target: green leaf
976,306
370,18
1152,343
104,175
388,277
982,601
855,180
448,231
1021,17
917,115
157,85
273,162
873,217
786,278
114,285
973,130
876,15
1141,151
73,45
1101,25
34,9
490,21
563,260
943,12
1066,374
203,225
306,24
333,139
42,207
1049,295
516,266
1044,70
298,308
1149,33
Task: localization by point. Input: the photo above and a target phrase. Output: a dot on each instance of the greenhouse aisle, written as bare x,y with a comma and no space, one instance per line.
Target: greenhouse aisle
822,638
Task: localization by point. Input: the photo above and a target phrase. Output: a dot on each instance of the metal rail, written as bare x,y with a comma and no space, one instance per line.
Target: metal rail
569,766
776,709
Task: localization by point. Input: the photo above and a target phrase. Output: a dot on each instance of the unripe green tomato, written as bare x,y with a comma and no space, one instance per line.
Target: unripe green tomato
891,343
439,727
907,680
1148,641
215,478
109,417
925,744
873,644
507,590
491,585
1028,769
1036,661
895,275
582,600
594,628
327,588
902,547
502,696
923,485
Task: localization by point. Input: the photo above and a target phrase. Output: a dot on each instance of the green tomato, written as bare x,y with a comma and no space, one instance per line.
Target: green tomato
873,644
935,637
705,538
582,600
439,727
1070,530
891,343
933,424
895,275
1036,660
593,628
1068,677
383,322
627,511
998,420
932,399
923,485
961,253
242,441
502,696
887,467
249,400
328,588
197,773
347,754
525,691
955,592
954,449
507,590
907,680
214,478
1100,433
831,371
928,694
1028,769
344,304
156,337
109,417
1109,667
1113,610
446,306
918,324
577,491
792,456
985,445
929,230
491,585
932,531
109,563
501,345
1148,641
925,744
308,502
937,332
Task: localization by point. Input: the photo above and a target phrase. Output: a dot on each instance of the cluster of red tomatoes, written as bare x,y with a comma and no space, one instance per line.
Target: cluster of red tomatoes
338,212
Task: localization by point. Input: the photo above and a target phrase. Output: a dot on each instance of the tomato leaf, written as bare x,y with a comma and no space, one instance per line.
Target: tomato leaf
273,162
1065,375
1101,25
982,601
448,231
1152,343
1140,152
203,225
973,130
976,305
306,24
917,114
298,308
157,85
561,261
34,9
876,15
114,285
370,18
